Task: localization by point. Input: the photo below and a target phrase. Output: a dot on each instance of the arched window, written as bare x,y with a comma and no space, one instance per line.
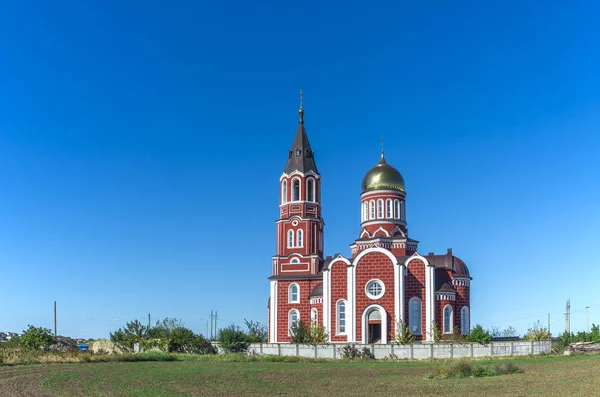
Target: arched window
296,190
294,293
295,261
403,212
388,208
284,192
314,316
397,209
290,238
310,190
464,321
293,319
372,209
379,208
365,211
299,236
414,315
448,319
341,317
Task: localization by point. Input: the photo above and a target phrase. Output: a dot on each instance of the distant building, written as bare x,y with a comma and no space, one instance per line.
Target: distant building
361,298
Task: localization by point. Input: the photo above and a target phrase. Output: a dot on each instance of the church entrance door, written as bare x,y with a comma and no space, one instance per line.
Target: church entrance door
374,326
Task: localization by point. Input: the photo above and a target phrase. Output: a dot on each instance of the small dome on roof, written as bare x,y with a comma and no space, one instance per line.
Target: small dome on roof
460,268
317,291
383,177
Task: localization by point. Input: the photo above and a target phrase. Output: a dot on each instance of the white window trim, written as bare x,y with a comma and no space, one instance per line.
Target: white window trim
389,210
365,211
314,316
299,238
290,295
295,261
373,296
299,190
284,192
372,211
380,208
337,317
464,310
308,181
410,304
290,234
451,328
396,209
290,320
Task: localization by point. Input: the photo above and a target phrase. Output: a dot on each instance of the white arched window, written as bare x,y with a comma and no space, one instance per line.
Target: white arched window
299,238
310,189
314,316
295,261
403,212
379,208
465,325
414,315
388,208
294,293
448,319
372,209
290,238
284,192
293,319
296,189
365,211
397,209
341,317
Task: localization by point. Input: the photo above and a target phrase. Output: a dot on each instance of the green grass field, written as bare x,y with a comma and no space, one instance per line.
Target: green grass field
543,376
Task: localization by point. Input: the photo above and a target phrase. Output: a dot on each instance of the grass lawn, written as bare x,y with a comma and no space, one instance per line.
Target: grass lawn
543,376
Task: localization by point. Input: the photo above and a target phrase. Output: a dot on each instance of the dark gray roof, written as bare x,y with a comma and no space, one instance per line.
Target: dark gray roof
447,287
317,291
318,276
450,262
300,157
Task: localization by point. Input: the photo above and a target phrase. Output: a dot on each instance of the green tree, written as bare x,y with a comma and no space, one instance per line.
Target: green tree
257,332
134,331
435,332
479,335
232,339
537,332
36,338
300,332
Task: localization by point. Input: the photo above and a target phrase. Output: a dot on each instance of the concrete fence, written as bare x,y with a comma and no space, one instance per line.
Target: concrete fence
415,351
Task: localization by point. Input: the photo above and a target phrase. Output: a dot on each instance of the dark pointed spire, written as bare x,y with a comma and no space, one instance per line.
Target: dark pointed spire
300,157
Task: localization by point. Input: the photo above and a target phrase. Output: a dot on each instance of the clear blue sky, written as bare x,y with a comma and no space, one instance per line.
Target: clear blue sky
141,145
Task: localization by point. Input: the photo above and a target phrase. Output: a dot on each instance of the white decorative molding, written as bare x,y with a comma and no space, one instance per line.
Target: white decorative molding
273,313
445,296
383,313
316,301
461,281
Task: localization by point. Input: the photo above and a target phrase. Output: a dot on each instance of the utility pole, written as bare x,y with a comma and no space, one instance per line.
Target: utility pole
568,317
216,318
54,319
148,321
549,324
587,316
211,325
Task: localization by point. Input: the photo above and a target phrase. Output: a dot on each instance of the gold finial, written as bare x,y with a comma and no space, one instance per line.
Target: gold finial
382,146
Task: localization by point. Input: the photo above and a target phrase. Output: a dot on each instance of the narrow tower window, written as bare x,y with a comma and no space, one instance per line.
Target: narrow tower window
314,316
448,319
365,211
310,190
380,208
290,238
296,190
293,319
388,208
341,317
464,321
396,209
284,192
372,209
299,236
294,294
403,212
414,315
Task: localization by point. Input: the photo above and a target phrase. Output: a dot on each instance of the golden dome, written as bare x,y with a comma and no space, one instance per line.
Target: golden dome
383,177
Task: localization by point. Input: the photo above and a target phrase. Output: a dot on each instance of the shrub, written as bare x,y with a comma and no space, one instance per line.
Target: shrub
435,332
402,335
537,332
257,332
349,352
466,370
479,335
35,338
232,339
311,335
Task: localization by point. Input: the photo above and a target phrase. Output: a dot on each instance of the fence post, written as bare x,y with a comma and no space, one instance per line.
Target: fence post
261,348
431,350
373,350
392,349
334,351
531,347
279,349
471,350
451,350
491,349
315,351
512,348
411,352
297,350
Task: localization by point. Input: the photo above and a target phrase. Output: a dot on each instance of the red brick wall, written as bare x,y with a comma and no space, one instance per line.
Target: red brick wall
339,290
463,298
439,316
414,285
283,307
374,265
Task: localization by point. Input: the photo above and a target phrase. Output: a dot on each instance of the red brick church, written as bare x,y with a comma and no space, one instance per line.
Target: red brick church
361,298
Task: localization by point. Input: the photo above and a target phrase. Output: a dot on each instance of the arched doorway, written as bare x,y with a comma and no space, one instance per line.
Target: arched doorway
374,325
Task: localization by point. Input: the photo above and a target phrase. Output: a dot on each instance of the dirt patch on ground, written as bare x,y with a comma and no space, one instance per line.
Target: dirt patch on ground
24,381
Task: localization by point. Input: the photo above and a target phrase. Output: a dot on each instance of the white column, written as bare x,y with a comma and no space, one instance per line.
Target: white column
273,313
351,309
327,303
430,296
397,296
